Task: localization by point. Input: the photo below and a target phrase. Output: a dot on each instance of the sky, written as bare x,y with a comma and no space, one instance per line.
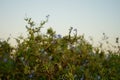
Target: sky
89,17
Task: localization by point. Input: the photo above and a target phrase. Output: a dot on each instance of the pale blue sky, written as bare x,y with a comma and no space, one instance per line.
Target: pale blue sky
91,17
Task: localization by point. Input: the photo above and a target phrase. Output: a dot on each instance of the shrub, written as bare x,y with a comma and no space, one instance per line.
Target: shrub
52,56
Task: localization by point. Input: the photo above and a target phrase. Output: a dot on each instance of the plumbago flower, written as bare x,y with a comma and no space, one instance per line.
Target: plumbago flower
5,59
98,77
82,78
71,46
31,75
58,36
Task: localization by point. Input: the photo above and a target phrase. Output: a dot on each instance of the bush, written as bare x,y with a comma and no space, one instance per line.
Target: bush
52,56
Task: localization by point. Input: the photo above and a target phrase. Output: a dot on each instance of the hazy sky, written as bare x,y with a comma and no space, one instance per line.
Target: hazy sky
92,17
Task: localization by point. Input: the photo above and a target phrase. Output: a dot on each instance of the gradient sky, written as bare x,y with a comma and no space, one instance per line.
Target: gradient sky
91,17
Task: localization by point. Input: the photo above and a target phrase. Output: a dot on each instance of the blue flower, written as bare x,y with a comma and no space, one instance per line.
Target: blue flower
71,46
98,77
59,36
82,78
30,76
5,59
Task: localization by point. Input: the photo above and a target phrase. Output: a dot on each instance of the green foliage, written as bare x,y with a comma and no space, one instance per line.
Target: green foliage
52,56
